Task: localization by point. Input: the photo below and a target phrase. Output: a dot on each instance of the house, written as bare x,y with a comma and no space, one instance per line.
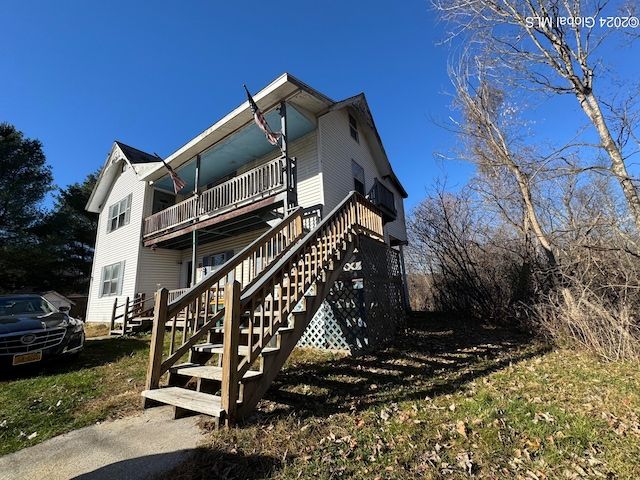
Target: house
146,230
58,300
244,212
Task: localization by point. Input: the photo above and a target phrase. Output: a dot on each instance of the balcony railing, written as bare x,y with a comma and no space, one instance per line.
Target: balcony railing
383,198
265,180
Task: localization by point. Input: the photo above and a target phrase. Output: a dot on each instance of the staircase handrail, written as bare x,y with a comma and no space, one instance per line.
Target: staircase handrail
292,222
346,218
351,216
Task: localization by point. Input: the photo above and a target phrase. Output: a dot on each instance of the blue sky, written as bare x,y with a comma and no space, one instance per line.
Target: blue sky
79,75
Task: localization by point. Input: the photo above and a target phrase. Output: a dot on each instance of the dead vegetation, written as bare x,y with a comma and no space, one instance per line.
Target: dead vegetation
448,398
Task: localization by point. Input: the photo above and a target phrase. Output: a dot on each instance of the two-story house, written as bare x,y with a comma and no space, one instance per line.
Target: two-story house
237,185
307,231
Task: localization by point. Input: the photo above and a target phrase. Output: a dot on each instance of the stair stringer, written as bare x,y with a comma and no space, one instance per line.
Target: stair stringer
274,363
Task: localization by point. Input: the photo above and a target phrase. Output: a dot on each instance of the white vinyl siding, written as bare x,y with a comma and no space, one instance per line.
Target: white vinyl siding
338,151
309,181
120,245
305,150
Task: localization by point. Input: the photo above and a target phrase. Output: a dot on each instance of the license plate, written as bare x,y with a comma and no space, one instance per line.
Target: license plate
27,357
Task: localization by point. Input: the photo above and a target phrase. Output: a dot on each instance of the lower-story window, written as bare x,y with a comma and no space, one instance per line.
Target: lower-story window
211,261
111,283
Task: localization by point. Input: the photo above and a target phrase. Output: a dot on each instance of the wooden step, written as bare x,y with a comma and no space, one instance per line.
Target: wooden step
219,349
137,321
209,372
188,400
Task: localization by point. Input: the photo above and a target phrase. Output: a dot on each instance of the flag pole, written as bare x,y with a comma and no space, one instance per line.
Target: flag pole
194,234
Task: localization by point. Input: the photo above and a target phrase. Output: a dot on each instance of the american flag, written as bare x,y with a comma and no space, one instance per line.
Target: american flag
272,136
178,183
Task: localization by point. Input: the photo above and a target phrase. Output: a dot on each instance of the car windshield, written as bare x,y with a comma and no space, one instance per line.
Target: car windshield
22,305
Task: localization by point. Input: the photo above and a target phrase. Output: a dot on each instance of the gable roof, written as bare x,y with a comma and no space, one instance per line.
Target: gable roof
134,156
359,104
119,153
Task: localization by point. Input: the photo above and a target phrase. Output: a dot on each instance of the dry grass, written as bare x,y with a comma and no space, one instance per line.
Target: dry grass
48,399
96,329
579,319
444,400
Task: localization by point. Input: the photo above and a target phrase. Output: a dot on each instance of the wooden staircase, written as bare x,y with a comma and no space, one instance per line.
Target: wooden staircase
225,366
135,316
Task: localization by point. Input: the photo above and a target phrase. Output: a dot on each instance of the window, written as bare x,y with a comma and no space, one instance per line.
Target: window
358,177
112,279
211,261
353,127
119,214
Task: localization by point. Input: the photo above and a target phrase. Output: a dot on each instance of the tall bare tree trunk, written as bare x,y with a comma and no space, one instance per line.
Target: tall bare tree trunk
591,107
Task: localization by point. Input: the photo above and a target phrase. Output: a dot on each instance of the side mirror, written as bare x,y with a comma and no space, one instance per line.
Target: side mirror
64,309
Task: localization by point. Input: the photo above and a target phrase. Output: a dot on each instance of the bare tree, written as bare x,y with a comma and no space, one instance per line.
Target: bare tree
551,46
468,259
486,131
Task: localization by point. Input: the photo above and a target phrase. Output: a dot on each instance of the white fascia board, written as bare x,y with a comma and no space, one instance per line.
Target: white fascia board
105,181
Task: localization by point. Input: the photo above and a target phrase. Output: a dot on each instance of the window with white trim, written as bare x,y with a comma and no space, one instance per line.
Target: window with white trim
353,128
358,177
119,213
111,279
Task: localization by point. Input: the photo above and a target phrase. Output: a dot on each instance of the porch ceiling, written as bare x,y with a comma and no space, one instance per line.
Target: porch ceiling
239,149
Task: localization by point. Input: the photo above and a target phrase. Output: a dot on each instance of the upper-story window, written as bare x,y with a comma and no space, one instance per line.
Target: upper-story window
353,127
358,177
119,213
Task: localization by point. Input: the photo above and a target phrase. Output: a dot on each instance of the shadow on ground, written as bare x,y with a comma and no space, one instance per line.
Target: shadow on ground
433,356
216,464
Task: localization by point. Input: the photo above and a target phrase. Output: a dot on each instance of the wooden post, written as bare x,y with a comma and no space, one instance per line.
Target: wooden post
230,353
113,314
157,341
125,317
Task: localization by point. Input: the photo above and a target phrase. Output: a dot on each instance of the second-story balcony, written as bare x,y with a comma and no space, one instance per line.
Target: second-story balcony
259,187
384,199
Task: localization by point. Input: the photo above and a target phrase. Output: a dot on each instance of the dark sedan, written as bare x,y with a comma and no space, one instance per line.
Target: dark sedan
31,330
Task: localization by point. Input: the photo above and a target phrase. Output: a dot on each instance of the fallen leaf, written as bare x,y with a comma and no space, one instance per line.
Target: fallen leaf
461,428
464,462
